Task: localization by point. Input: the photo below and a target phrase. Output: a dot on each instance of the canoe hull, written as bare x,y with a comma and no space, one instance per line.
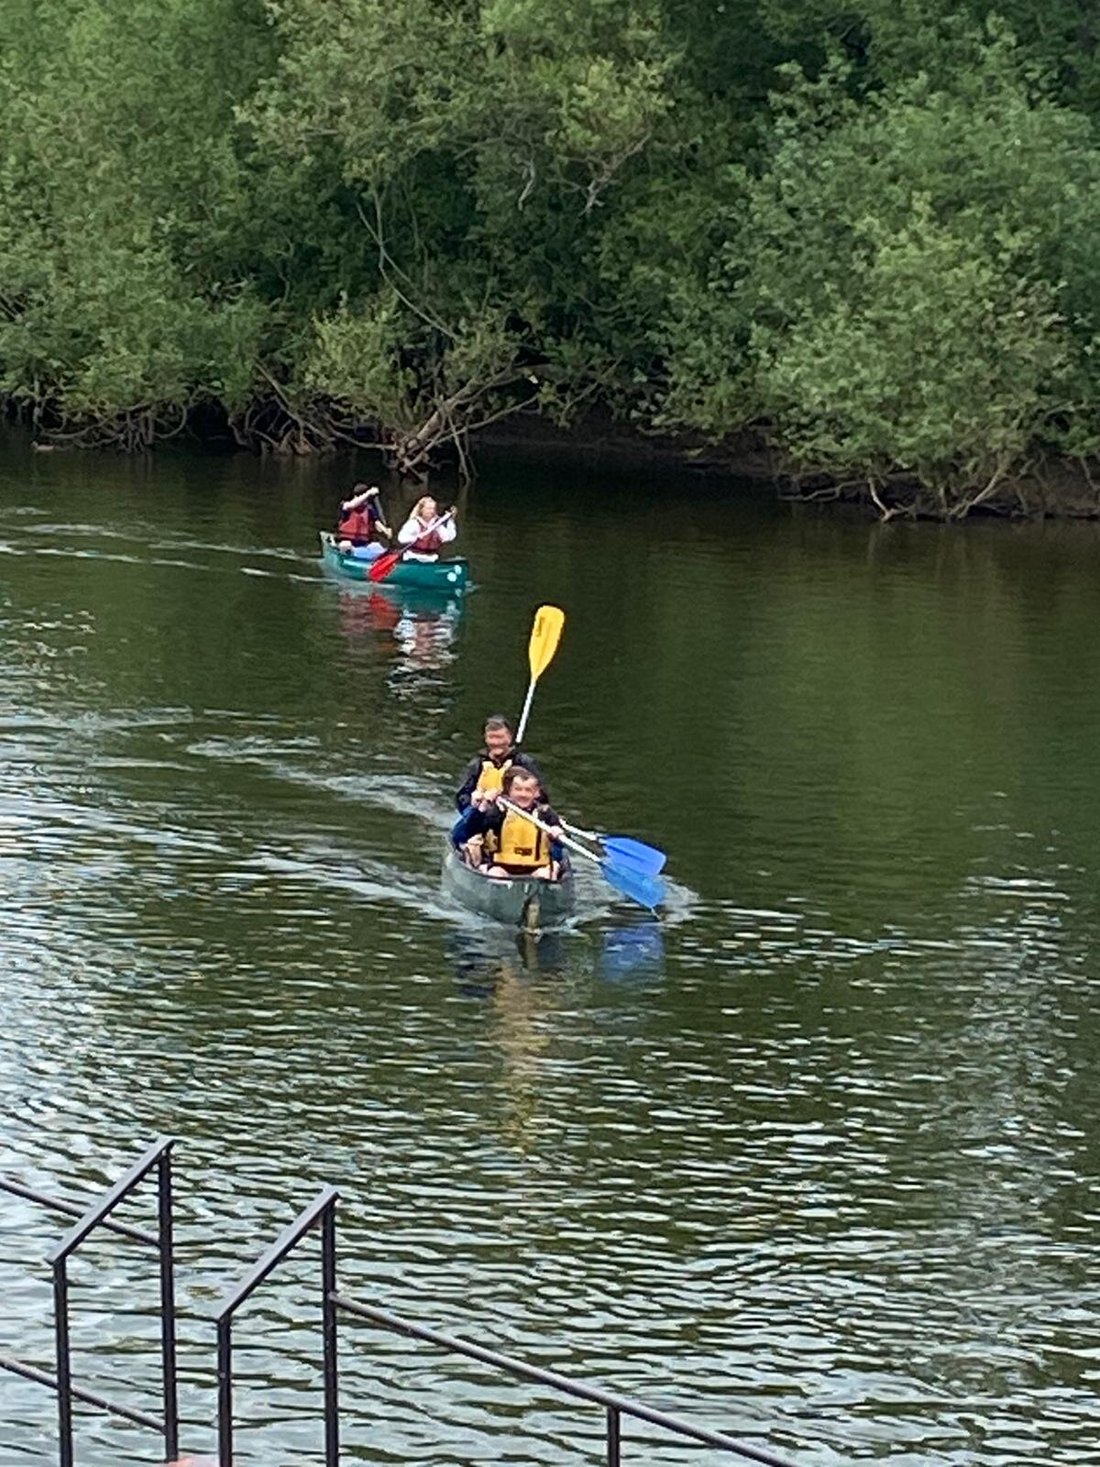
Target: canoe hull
444,577
515,901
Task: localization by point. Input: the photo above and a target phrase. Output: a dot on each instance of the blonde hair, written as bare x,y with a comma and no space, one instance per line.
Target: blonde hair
417,511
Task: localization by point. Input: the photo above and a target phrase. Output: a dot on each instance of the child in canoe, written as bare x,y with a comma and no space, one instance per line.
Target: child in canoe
426,531
361,522
502,843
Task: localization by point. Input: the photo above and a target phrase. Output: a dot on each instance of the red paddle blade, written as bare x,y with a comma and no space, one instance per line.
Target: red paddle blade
383,565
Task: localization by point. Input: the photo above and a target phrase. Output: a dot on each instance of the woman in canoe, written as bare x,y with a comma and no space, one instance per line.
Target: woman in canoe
426,531
361,523
502,843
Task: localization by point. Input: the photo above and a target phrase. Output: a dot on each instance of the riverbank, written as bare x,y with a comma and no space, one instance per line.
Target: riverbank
1055,490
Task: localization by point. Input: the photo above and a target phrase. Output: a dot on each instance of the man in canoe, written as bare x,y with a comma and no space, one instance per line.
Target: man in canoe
426,531
483,778
361,523
502,842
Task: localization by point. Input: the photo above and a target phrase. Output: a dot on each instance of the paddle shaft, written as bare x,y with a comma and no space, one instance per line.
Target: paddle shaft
526,711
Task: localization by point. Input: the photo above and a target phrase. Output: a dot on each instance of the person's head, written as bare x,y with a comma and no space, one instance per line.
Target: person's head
498,734
425,509
522,787
359,488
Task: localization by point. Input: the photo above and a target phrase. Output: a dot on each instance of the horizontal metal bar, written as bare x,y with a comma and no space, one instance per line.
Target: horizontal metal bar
623,1404
42,1377
98,1211
73,1209
327,1197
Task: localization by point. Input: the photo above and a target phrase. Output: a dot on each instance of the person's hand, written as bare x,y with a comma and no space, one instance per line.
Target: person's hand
555,832
372,492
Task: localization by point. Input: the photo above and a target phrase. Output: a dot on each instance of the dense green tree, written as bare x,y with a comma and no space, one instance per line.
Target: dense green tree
866,231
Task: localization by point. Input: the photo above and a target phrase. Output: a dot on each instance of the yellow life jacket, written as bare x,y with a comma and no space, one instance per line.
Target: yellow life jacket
519,843
491,779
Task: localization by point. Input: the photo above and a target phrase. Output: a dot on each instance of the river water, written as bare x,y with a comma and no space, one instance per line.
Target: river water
814,1161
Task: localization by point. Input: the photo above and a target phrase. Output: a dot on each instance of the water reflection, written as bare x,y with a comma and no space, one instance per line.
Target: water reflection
635,952
417,630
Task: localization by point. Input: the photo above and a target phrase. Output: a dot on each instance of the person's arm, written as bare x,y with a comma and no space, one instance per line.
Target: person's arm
470,823
409,532
468,785
447,530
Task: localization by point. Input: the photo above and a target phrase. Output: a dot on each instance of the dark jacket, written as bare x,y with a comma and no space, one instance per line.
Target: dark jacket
472,774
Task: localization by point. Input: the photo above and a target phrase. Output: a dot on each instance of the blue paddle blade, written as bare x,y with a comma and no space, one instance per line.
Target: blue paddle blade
635,853
648,891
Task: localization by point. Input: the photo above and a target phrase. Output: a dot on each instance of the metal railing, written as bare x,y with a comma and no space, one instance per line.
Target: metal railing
615,1406
321,1210
319,1214
157,1157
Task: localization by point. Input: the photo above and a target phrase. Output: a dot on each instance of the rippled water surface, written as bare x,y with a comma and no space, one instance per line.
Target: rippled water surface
814,1161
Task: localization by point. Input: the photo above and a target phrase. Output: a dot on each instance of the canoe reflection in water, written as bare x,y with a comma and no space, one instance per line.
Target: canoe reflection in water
420,629
518,978
482,960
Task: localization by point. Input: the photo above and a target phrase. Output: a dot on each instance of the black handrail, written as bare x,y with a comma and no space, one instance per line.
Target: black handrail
158,1156
322,1209
72,1209
616,1406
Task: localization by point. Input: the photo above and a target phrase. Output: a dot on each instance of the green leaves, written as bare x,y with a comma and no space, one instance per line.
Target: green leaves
897,297
870,231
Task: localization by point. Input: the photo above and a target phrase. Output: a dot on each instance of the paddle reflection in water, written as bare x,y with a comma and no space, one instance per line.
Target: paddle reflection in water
636,952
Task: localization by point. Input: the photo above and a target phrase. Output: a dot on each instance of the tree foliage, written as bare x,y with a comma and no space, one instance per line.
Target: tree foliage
866,231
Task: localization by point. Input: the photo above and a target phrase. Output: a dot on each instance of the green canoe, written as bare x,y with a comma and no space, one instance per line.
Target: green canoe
447,577
520,901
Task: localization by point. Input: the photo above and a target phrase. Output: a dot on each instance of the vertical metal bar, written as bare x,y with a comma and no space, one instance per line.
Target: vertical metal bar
225,1391
167,1306
64,1364
614,1436
328,1329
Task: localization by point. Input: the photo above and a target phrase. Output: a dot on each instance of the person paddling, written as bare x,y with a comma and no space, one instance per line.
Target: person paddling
483,777
361,522
425,531
502,842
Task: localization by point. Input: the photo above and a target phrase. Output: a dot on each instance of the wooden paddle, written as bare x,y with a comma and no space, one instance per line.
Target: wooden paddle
385,563
648,891
545,635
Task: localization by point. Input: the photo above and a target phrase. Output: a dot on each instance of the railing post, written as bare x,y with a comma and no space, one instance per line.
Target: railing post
225,1391
614,1437
64,1364
167,1305
328,1327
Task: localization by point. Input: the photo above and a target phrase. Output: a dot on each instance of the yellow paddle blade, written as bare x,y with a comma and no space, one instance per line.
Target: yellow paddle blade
545,635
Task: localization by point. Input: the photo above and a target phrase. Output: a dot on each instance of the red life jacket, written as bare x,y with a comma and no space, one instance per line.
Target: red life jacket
357,524
427,544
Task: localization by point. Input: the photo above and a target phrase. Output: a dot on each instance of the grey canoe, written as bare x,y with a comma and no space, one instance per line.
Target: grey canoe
520,901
